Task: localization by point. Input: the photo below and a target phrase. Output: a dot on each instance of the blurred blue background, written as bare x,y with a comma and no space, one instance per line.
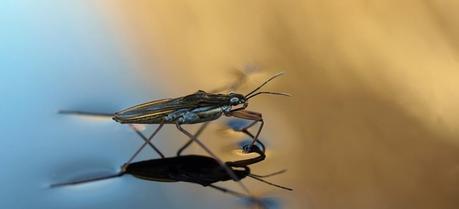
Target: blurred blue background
63,55
372,124
57,55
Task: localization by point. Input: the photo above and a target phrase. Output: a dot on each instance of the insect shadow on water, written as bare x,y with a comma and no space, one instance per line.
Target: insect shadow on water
199,107
197,169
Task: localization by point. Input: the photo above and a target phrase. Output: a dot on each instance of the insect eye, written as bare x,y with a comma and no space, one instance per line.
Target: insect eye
234,100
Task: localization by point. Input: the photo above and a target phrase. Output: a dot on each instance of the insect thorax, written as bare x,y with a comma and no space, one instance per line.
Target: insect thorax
197,115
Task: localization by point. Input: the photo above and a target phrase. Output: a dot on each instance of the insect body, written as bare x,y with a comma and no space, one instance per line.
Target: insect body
195,108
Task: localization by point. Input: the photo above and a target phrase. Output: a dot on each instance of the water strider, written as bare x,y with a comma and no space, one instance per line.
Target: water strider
199,107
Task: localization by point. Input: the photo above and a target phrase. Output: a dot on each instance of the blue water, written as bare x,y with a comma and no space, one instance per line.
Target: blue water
58,55
63,55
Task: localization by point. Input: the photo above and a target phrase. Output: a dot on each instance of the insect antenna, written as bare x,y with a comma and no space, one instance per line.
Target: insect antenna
264,83
271,174
267,182
87,180
269,92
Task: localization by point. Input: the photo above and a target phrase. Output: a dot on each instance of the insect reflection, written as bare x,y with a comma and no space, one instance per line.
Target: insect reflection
197,169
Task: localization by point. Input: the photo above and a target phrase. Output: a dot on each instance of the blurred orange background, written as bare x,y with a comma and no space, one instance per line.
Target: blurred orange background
373,121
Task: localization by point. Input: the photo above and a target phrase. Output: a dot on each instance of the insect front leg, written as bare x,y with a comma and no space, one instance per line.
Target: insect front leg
244,163
249,115
247,132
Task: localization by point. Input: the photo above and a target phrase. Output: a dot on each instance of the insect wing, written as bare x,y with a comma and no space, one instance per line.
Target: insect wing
154,111
204,99
150,112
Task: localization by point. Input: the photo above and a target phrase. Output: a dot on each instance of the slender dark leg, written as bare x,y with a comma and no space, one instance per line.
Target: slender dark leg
187,144
222,164
144,144
225,190
138,132
146,140
244,163
270,183
258,132
271,174
249,115
109,115
88,180
75,112
253,137
238,194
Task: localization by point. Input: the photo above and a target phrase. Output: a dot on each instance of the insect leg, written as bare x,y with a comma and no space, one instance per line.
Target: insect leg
249,115
222,164
225,190
144,144
203,126
84,113
247,132
244,163
146,140
238,194
88,180
109,115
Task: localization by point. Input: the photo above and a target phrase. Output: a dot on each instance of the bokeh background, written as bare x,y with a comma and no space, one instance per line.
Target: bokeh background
373,122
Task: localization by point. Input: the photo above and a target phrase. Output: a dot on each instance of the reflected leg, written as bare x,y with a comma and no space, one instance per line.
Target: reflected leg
88,180
144,144
222,164
200,130
84,113
147,141
258,202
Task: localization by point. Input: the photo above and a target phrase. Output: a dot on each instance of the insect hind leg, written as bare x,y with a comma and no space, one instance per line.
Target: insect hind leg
222,164
187,144
253,199
147,141
85,113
